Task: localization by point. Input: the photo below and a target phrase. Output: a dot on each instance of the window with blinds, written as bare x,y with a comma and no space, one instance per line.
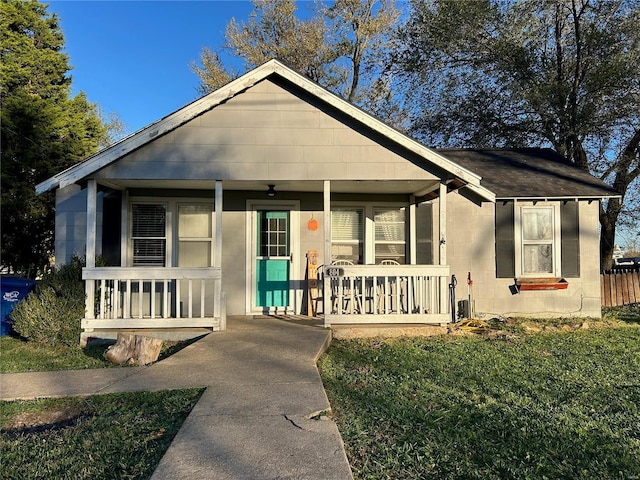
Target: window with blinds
148,234
347,234
390,230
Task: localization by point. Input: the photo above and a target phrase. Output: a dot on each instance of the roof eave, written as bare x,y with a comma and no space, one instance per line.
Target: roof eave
483,192
557,198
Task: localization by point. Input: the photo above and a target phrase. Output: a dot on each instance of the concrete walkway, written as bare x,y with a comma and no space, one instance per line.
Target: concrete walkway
254,421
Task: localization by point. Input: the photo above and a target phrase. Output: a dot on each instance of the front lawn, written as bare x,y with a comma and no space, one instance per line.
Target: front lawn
113,436
17,355
551,405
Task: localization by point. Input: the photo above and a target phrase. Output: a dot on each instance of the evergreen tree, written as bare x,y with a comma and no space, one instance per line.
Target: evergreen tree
44,130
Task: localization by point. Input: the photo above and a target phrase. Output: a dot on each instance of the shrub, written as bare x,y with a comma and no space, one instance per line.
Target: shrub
51,314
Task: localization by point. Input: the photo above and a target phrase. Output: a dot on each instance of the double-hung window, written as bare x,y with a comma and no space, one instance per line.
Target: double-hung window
148,234
347,234
195,235
537,246
389,238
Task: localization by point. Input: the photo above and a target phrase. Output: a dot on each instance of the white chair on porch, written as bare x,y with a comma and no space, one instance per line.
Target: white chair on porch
350,293
385,295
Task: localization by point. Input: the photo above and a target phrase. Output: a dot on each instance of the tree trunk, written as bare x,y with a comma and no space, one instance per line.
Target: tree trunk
121,351
608,220
134,349
147,350
626,171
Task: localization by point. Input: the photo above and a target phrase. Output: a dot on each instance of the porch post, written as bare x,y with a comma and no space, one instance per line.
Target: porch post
217,257
90,250
412,231
442,222
326,255
124,227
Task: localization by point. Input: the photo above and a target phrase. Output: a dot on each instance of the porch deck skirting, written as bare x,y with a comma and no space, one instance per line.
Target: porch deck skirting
367,294
154,298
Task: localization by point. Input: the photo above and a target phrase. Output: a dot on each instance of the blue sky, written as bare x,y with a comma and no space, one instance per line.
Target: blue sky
133,57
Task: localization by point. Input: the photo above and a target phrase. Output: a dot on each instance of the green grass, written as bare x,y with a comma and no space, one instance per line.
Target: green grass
553,405
17,355
111,436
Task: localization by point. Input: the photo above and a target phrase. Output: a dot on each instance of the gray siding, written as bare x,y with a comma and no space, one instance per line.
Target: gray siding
471,247
71,223
265,133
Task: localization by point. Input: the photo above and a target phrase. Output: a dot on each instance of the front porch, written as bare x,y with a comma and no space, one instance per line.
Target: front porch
172,296
188,298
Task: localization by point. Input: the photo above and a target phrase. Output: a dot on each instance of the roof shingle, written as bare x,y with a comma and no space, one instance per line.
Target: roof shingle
529,173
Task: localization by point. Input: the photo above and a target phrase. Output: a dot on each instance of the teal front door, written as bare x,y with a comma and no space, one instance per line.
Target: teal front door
272,258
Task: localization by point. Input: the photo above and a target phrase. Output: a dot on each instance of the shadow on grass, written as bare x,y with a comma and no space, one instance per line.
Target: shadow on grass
169,347
125,434
95,351
626,314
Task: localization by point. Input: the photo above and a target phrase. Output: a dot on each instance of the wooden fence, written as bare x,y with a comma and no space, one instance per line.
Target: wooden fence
620,287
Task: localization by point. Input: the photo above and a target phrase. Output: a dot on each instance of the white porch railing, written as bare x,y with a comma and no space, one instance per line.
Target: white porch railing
146,297
386,294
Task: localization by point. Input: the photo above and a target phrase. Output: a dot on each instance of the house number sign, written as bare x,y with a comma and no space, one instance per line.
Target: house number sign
335,272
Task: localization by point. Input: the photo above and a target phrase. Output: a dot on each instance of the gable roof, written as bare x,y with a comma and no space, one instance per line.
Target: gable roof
169,123
530,173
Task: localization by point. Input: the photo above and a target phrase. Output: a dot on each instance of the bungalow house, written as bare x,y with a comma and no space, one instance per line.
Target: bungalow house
271,194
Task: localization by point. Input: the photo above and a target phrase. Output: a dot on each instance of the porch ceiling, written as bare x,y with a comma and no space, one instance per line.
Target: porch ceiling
408,187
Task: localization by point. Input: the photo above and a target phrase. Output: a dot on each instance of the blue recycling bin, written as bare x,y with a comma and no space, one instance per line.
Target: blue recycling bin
13,289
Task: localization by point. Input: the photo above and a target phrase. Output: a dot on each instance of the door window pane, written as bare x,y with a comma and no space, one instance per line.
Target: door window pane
273,236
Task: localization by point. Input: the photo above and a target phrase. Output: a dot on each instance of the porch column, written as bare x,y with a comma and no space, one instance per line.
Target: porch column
124,227
442,222
217,257
326,254
90,252
412,231
442,213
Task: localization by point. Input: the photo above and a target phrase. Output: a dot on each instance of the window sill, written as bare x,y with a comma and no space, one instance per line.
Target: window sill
555,283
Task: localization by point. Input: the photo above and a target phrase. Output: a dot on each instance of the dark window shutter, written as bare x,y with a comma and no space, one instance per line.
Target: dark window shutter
570,239
111,219
505,240
424,234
